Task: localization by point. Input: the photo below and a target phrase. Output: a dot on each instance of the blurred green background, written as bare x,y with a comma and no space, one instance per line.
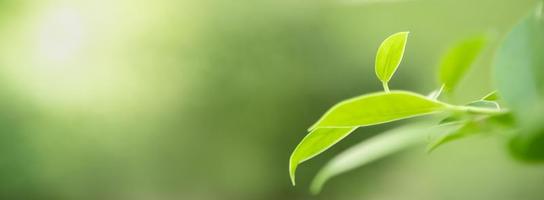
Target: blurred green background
206,99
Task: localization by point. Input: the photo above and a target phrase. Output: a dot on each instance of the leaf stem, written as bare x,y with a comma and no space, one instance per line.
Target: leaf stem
476,110
385,87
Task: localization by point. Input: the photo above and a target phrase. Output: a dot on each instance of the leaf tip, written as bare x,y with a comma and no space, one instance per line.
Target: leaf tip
292,169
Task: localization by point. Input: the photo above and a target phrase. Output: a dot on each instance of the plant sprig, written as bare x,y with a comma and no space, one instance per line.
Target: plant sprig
388,106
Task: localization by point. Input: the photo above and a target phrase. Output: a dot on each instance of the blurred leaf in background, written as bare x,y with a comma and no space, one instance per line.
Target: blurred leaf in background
520,73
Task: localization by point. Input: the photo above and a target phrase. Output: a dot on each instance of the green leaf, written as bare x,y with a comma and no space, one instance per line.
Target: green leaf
519,67
436,93
390,55
458,131
315,143
493,96
519,71
458,60
528,147
372,149
377,108
471,125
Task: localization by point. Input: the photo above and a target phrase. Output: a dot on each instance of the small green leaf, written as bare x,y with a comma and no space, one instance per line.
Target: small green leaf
471,125
493,96
313,144
389,56
458,60
436,93
378,108
372,149
459,130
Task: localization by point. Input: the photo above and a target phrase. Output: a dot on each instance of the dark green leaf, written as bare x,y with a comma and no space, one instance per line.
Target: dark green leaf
519,71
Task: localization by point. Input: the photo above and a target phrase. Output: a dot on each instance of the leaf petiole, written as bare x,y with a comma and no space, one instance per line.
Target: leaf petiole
385,87
471,109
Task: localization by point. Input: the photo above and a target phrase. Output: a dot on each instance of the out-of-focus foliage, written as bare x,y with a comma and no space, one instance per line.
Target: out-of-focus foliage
458,59
519,70
369,150
206,99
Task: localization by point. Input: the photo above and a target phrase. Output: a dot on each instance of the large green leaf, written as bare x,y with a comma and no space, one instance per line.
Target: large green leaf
364,110
377,108
375,148
313,144
519,72
519,66
458,60
390,55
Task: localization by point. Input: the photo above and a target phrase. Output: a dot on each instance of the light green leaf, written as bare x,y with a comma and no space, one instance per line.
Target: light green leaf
436,93
372,149
390,55
377,108
492,96
458,60
315,143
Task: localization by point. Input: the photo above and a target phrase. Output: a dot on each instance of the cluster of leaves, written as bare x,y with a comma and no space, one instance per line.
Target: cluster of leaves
519,71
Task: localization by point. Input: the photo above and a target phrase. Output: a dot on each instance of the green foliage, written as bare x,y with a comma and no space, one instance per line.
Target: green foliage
372,149
460,130
492,96
313,144
458,59
519,71
378,108
389,57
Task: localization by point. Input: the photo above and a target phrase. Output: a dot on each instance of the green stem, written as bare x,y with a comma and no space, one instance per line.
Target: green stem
476,110
385,87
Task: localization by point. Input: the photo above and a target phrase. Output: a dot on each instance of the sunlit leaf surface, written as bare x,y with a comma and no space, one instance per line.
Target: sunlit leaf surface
390,55
313,144
378,108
